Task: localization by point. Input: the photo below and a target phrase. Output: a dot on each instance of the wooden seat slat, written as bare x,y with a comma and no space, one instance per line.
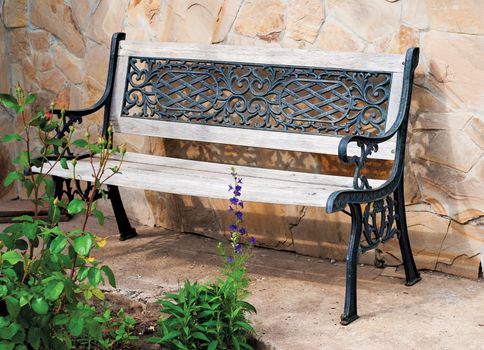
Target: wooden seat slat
206,179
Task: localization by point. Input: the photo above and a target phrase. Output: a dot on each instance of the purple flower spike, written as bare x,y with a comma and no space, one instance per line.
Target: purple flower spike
243,231
237,193
230,259
231,209
234,200
252,240
241,204
239,181
231,188
238,248
238,188
233,228
239,215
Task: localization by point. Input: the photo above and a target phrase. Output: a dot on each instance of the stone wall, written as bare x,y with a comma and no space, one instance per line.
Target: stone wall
59,49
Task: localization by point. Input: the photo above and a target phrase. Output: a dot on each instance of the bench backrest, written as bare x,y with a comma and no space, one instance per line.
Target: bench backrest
287,99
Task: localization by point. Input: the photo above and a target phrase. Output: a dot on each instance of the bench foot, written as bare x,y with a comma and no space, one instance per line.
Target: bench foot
347,319
350,309
411,282
130,234
412,275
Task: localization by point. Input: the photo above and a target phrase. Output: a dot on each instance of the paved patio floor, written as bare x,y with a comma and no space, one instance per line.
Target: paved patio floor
299,299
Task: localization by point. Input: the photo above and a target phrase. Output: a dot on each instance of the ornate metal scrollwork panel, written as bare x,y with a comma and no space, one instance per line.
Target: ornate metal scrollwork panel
280,98
379,222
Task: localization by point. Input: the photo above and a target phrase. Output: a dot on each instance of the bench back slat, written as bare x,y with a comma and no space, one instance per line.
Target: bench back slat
195,92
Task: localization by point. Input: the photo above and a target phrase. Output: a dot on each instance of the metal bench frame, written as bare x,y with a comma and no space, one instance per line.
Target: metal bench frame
376,214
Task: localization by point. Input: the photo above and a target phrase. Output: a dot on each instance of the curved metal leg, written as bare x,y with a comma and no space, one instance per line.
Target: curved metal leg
412,276
350,312
126,231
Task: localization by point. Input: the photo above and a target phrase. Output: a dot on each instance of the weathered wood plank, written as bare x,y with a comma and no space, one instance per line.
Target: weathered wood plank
266,55
211,180
243,137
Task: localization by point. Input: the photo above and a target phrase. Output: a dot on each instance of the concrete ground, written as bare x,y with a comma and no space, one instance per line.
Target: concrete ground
299,299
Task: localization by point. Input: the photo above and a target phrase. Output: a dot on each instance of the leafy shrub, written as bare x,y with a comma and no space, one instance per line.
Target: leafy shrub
48,277
213,316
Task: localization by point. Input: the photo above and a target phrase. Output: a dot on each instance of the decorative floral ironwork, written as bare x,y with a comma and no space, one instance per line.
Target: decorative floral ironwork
280,98
379,222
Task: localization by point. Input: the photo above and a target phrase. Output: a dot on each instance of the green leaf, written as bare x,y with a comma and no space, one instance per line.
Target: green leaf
164,339
53,290
76,326
10,331
12,137
34,336
213,345
110,275
80,143
99,215
61,319
30,99
11,177
40,306
20,244
29,186
9,101
98,293
53,141
13,306
30,230
12,257
63,163
23,218
201,336
83,245
94,276
75,206
23,159
82,273
58,244
245,326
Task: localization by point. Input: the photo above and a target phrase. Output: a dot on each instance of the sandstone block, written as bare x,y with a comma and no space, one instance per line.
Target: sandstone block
459,16
56,17
14,13
143,21
4,66
405,38
475,129
52,80
414,13
334,37
69,64
18,44
262,18
456,76
451,192
304,19
374,19
43,61
225,19
99,54
82,12
192,21
39,40
107,19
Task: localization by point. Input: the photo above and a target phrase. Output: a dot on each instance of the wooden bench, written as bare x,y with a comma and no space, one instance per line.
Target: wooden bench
352,105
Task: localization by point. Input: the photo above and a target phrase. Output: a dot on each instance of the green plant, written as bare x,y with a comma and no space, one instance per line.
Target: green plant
48,277
213,316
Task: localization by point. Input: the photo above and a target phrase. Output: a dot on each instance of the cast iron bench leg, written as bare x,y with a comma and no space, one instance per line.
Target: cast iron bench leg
126,231
412,276
349,313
